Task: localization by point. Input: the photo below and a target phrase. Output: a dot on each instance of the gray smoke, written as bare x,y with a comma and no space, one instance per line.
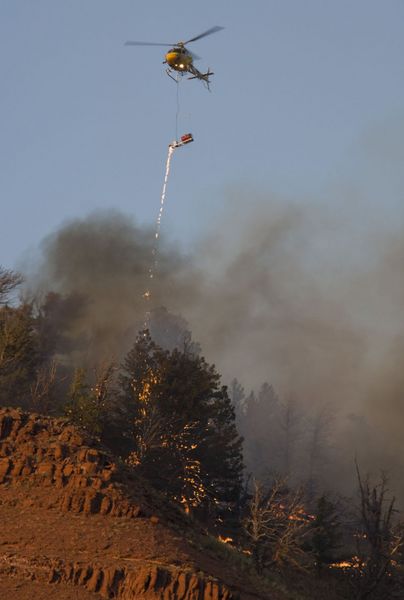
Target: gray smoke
311,300
299,296
104,261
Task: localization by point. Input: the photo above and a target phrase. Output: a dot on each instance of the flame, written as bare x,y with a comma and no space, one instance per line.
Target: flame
225,540
147,384
353,563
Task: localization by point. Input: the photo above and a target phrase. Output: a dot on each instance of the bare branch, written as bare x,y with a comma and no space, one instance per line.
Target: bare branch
276,525
9,280
41,389
379,538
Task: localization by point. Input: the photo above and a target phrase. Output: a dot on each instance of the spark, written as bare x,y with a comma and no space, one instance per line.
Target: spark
162,200
185,139
152,269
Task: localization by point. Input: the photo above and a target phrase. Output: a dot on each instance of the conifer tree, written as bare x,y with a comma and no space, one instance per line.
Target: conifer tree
260,427
87,404
18,354
183,425
237,395
326,528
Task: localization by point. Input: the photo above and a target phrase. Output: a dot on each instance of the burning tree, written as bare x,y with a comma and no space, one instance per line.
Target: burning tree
379,540
325,533
183,425
277,525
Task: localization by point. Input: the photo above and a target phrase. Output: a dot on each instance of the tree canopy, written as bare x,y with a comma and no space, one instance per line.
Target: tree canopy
183,425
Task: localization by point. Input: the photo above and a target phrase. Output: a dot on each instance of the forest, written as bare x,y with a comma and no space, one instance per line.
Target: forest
254,469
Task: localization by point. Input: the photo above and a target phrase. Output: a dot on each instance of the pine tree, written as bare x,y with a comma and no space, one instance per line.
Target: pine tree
139,414
318,446
87,405
184,433
326,534
260,427
291,431
18,354
237,395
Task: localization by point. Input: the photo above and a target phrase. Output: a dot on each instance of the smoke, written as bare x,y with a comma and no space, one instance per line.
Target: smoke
311,300
274,302
103,262
303,296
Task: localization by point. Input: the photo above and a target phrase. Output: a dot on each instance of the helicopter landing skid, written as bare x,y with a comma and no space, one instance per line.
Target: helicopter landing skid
169,73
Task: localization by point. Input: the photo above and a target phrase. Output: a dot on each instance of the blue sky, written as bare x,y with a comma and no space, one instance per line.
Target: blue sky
307,99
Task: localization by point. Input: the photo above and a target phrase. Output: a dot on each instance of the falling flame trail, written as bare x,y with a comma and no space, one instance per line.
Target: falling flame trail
153,267
163,193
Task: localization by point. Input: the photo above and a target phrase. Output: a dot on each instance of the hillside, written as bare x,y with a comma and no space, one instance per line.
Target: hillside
74,518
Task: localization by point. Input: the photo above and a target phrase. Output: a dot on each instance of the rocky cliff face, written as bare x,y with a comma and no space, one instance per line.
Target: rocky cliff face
149,581
51,453
73,516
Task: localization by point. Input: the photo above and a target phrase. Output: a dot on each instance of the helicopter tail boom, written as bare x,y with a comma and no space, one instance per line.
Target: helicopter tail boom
198,75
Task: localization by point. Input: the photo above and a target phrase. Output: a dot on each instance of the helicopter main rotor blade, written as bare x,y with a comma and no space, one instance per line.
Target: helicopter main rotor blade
194,56
205,33
130,43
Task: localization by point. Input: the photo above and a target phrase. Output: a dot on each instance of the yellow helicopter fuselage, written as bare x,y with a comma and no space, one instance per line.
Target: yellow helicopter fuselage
179,59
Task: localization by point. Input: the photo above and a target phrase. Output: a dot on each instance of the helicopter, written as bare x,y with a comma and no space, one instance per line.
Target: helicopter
180,59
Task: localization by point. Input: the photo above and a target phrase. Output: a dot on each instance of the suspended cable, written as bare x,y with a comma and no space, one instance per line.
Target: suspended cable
178,106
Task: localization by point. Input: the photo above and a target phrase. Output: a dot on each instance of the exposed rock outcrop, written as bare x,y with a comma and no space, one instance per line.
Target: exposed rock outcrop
56,453
148,581
74,515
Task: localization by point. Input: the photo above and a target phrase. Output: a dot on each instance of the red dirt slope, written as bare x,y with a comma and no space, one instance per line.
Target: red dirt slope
75,523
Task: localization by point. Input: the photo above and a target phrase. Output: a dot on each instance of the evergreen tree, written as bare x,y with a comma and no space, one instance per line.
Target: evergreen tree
139,417
87,405
260,427
19,359
237,395
325,539
291,432
320,427
184,434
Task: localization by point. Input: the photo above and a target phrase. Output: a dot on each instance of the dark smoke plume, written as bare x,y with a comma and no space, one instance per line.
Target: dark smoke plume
298,296
103,262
